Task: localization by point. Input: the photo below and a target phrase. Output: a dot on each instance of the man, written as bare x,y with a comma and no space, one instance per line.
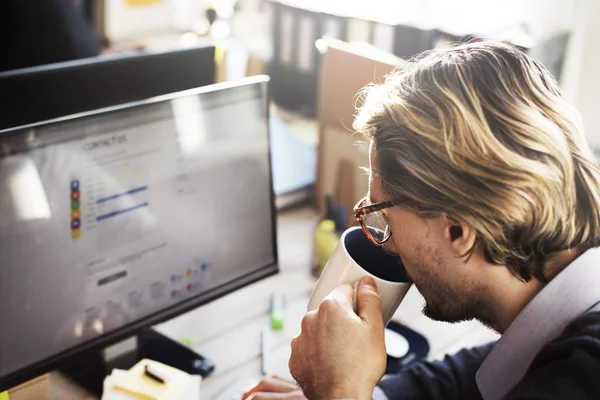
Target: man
492,199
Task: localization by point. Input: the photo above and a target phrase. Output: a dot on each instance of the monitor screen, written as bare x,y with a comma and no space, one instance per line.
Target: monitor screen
115,219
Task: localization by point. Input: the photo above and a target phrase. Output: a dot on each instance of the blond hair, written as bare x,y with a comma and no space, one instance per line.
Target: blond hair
481,132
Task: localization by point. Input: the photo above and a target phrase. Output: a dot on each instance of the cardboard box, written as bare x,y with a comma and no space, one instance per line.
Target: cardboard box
346,68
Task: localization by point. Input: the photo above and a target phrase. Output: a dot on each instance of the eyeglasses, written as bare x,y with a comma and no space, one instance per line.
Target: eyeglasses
372,220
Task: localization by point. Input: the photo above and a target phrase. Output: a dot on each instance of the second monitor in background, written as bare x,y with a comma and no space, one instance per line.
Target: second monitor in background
51,91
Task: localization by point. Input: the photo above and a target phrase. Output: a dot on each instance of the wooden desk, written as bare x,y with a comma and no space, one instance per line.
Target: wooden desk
228,329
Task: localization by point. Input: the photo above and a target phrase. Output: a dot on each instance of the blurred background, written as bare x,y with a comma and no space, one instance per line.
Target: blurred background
318,55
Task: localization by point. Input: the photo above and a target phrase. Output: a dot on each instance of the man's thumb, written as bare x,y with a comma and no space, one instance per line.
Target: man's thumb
369,302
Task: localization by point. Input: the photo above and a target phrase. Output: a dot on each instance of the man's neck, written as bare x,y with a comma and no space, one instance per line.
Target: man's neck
510,295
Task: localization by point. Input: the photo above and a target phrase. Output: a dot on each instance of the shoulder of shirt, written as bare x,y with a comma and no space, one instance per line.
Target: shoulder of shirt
582,330
586,325
572,359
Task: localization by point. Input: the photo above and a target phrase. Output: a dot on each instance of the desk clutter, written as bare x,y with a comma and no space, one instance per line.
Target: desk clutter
327,234
403,346
151,380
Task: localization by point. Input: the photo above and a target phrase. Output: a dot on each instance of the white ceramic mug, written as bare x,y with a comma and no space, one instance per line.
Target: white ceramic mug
356,257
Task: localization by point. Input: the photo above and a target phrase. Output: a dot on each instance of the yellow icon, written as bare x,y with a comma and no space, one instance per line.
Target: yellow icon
75,234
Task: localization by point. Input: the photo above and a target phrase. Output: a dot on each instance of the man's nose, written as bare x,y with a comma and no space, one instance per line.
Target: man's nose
390,247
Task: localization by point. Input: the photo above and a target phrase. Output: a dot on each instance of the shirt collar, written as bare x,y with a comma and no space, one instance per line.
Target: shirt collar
570,294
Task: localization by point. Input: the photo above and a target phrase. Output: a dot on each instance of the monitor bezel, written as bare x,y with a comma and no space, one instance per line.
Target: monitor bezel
48,364
109,58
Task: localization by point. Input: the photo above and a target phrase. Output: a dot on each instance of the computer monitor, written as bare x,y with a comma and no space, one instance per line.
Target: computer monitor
56,90
118,219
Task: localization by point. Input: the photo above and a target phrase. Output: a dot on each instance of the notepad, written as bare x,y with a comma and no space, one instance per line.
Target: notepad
109,392
176,385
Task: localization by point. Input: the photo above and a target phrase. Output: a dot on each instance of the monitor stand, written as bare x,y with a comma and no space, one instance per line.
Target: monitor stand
89,369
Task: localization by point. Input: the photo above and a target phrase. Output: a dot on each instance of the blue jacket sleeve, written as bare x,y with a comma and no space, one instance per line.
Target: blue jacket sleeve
451,378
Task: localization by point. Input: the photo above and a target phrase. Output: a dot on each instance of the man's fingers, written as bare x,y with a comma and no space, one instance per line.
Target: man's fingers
369,302
295,354
271,384
342,294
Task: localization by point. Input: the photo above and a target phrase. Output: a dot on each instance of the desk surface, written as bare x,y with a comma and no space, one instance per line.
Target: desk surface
228,329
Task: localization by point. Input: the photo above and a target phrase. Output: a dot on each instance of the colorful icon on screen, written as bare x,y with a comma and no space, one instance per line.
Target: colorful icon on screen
75,210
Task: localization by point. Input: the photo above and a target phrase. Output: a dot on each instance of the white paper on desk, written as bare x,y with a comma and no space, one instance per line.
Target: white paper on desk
383,37
306,44
189,392
192,391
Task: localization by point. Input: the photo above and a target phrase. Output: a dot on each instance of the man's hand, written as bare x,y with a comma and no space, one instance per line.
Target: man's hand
339,354
274,388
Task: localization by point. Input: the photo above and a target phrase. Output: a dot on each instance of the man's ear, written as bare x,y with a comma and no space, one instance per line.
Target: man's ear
460,235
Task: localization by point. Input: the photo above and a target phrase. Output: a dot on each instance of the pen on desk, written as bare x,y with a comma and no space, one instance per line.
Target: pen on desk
264,348
152,375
